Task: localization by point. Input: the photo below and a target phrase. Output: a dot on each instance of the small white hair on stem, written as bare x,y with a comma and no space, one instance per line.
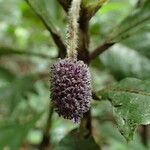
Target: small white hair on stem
72,29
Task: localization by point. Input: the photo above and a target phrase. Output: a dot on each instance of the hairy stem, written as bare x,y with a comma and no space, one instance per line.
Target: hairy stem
72,33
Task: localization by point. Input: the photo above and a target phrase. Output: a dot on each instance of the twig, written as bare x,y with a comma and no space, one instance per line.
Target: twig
60,45
95,97
65,4
144,135
57,39
86,125
46,143
90,9
100,49
5,50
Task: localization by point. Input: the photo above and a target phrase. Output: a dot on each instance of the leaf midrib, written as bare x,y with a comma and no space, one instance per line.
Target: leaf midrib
126,90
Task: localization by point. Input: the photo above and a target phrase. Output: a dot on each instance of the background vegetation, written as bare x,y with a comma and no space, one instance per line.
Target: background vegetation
31,35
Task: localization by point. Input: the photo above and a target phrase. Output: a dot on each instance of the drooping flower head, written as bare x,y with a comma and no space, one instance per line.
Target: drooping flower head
70,79
70,88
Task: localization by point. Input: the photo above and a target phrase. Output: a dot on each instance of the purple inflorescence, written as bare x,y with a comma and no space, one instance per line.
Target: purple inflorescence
70,88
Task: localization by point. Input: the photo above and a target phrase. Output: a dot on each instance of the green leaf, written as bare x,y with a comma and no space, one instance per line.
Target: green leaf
124,62
92,7
74,141
96,63
130,99
132,24
14,92
140,42
13,133
42,8
6,74
116,141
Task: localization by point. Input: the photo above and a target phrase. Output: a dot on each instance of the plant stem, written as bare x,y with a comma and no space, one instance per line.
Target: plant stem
100,49
83,54
144,135
86,125
5,50
65,4
56,37
46,143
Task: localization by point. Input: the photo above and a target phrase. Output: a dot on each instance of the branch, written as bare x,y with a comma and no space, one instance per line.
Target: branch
86,125
46,143
90,9
95,97
144,135
100,49
56,37
60,45
5,50
65,4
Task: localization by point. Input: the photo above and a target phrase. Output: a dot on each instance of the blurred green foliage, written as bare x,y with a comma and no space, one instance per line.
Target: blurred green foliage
26,52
